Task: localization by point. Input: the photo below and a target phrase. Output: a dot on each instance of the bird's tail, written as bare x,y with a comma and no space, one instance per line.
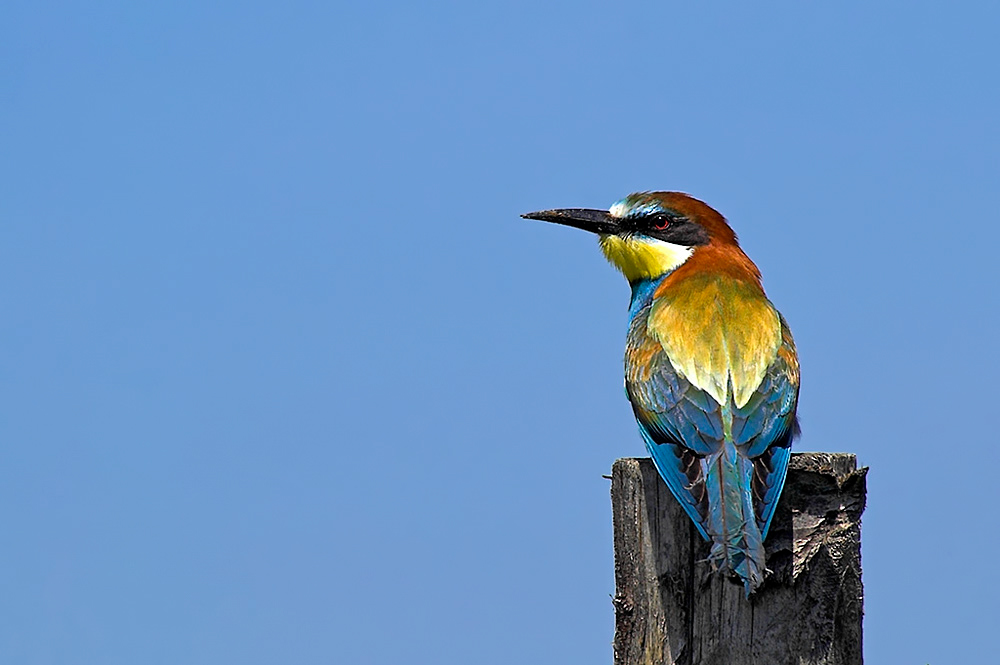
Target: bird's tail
737,543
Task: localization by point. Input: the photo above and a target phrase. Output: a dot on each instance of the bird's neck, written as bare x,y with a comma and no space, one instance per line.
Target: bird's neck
725,263
643,291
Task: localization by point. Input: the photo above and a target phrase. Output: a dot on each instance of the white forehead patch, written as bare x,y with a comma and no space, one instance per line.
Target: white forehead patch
635,205
619,209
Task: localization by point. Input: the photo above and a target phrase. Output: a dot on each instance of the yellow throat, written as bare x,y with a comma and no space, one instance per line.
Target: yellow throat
642,257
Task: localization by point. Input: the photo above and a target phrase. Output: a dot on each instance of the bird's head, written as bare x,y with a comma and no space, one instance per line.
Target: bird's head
648,234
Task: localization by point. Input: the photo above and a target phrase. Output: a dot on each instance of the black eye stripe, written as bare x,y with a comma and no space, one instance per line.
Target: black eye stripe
672,227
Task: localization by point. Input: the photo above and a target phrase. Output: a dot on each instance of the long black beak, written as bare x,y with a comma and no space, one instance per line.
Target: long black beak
595,221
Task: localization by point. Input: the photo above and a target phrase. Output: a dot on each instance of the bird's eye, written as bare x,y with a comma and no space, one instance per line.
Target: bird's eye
661,222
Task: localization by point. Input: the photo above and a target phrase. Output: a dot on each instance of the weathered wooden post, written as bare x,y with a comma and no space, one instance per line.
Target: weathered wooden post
670,608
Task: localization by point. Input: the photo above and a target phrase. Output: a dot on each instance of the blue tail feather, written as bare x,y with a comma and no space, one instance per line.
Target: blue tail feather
737,541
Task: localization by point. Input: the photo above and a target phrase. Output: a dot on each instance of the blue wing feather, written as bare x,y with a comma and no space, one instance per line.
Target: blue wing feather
673,462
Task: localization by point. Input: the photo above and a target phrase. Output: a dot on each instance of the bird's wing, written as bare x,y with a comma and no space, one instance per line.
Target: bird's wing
764,428
680,423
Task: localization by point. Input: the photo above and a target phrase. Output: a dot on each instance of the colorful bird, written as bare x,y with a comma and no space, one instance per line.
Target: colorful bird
710,366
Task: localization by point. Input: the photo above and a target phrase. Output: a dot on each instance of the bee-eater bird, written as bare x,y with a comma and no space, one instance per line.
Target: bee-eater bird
710,366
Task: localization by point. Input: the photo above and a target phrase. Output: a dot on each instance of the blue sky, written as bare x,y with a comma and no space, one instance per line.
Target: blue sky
286,379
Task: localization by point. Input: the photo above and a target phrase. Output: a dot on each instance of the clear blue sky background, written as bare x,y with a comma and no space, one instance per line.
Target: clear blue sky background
285,379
